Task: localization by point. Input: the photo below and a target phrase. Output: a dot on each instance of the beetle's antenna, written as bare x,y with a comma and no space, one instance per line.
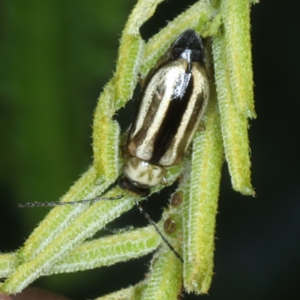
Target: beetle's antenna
51,204
97,199
149,219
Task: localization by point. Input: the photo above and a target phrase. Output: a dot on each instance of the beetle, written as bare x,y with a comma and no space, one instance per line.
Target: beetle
172,104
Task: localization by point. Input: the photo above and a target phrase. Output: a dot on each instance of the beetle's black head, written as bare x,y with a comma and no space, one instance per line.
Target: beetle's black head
128,186
189,43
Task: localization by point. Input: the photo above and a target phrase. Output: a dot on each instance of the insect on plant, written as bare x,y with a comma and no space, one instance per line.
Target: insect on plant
172,105
184,85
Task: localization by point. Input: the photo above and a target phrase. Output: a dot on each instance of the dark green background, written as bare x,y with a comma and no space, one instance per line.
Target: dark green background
55,58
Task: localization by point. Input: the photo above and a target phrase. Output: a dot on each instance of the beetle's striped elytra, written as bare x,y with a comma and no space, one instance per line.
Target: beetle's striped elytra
172,104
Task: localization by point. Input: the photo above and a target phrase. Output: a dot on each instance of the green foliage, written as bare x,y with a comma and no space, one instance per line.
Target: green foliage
59,243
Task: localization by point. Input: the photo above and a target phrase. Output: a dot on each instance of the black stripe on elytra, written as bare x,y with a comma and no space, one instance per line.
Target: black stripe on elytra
140,135
172,120
198,107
